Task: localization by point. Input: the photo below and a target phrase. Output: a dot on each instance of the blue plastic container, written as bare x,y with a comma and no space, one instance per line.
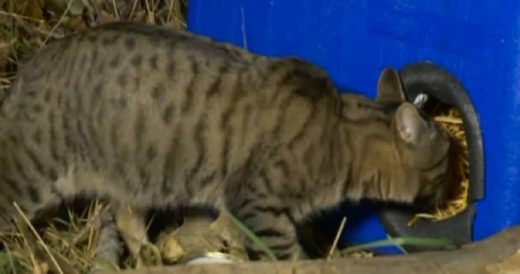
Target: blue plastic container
354,40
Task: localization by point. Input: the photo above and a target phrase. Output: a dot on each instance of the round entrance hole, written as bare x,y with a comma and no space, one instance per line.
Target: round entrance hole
442,89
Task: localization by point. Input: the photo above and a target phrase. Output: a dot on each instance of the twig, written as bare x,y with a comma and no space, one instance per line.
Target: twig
33,230
91,10
170,10
149,18
89,224
243,28
336,239
115,9
10,259
69,4
12,14
35,30
132,11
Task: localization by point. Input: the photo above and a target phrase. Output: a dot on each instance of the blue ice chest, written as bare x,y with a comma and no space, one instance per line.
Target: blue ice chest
354,40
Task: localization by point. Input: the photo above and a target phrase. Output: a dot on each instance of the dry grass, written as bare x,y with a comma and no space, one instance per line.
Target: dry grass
65,245
458,174
27,25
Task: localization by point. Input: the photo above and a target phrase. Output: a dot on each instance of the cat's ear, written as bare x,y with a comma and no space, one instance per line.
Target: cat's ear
409,123
389,87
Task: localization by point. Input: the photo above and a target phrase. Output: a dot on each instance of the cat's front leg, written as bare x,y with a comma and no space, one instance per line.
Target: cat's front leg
268,219
130,222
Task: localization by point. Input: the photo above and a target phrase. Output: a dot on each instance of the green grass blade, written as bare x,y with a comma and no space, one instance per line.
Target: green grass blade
252,236
400,247
401,241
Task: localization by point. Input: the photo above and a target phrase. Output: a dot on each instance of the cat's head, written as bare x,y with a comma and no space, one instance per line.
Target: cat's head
421,145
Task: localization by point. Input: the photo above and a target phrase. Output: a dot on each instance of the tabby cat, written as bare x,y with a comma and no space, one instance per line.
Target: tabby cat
145,117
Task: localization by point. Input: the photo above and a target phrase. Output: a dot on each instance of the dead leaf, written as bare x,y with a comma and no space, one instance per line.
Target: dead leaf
31,8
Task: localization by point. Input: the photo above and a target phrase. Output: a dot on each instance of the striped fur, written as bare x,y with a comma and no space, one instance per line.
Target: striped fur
150,117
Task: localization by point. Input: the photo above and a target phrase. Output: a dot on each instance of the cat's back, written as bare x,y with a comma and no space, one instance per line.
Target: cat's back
117,51
128,39
125,69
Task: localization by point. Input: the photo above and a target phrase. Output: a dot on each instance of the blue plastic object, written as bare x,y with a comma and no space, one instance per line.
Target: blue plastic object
354,40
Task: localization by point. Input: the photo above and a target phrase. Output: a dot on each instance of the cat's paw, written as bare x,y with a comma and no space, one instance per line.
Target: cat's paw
149,255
